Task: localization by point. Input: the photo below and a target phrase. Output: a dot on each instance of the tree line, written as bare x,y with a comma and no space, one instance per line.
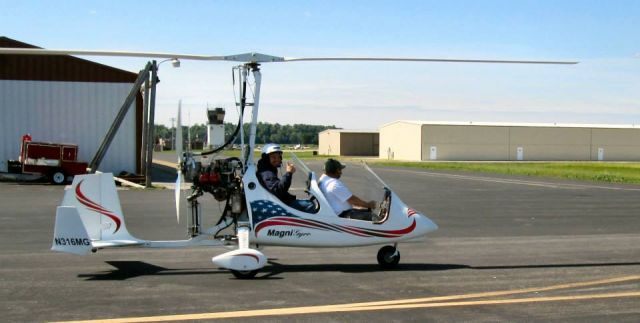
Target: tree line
303,134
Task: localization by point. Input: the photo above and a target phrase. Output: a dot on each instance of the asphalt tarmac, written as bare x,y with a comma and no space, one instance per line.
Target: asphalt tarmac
508,249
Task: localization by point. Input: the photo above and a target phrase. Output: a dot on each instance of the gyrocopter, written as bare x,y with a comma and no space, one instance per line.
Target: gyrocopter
90,217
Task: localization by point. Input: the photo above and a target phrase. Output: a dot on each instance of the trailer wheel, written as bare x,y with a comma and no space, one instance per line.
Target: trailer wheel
58,177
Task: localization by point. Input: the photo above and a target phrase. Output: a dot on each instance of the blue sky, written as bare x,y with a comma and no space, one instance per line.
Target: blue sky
602,35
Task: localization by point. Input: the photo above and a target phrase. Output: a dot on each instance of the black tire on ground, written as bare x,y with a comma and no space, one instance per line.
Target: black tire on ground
388,258
58,177
244,274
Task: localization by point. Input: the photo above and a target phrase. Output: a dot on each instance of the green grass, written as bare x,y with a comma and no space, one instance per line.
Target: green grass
588,171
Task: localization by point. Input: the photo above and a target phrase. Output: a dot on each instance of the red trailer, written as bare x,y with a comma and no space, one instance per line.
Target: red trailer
55,160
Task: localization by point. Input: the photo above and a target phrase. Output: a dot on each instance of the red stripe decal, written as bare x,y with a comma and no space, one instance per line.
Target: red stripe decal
86,201
93,206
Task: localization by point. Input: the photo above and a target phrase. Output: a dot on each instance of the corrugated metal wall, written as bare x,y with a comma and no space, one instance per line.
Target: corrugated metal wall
329,142
400,140
72,112
535,143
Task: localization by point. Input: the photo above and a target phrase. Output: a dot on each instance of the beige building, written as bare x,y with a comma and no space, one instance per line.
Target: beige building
348,142
422,140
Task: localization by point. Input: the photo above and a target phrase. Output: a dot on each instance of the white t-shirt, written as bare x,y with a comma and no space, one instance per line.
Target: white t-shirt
336,193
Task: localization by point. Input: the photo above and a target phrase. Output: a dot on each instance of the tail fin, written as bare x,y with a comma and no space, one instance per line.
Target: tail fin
93,200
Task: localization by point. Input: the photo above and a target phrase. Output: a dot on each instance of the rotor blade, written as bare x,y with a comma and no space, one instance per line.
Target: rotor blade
178,144
257,57
246,57
42,51
436,60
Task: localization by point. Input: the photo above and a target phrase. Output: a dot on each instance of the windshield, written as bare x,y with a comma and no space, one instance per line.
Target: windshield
358,177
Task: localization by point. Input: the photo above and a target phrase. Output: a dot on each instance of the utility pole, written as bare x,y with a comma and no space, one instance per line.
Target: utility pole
189,130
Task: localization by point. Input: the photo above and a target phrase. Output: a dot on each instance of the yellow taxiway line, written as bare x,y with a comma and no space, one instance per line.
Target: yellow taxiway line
426,302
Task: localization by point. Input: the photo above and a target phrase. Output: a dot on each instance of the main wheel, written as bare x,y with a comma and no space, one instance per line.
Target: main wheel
244,274
58,177
388,257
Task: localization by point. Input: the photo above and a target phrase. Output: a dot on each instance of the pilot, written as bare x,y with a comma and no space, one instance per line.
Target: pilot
342,201
268,166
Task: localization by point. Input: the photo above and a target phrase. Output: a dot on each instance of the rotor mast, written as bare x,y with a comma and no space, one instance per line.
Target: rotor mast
257,76
243,76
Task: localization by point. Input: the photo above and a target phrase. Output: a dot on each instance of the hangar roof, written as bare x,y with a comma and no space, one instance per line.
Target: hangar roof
514,124
56,67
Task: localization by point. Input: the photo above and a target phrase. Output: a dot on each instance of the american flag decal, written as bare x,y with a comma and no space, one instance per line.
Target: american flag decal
411,212
263,210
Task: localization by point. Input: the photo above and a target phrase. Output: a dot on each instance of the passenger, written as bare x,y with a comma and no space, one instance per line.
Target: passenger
268,166
342,201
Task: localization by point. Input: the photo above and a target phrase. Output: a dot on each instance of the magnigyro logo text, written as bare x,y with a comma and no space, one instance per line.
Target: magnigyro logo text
287,233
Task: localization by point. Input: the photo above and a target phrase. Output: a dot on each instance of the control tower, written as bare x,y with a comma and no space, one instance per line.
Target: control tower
215,128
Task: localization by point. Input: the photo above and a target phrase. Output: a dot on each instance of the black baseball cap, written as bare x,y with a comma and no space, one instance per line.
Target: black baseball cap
332,165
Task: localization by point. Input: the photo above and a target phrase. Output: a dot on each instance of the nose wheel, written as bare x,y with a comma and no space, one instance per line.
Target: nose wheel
244,274
388,257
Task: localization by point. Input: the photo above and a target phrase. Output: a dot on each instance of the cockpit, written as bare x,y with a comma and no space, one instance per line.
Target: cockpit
358,177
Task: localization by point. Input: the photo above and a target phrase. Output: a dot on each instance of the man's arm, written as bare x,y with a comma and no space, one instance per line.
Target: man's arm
356,201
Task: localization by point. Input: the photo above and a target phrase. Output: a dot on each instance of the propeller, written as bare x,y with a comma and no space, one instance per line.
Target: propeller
179,153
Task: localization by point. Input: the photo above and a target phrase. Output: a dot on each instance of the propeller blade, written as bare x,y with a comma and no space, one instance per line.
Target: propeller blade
179,133
177,192
178,144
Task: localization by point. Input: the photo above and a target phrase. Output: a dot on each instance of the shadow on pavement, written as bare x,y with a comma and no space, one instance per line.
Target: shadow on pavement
131,269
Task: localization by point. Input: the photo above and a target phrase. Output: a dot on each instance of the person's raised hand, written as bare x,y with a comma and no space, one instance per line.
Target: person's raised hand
291,168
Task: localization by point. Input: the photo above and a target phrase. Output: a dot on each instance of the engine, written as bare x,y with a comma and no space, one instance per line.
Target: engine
221,178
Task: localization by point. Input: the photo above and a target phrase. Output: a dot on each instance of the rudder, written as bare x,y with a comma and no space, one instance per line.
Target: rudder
96,200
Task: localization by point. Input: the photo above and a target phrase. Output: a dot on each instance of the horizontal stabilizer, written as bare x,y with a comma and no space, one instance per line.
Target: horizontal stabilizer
115,243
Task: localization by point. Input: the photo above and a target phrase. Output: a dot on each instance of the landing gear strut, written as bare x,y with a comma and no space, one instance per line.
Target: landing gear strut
388,257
